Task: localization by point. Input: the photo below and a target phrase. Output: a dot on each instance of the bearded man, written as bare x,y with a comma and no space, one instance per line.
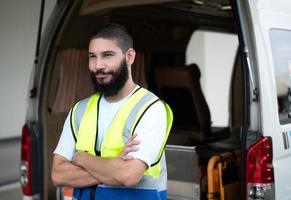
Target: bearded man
112,144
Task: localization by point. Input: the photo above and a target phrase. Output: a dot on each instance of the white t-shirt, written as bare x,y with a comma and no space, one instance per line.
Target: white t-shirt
150,131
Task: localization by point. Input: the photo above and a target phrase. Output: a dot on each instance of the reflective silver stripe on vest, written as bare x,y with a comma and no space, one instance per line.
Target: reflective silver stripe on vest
79,112
160,184
132,116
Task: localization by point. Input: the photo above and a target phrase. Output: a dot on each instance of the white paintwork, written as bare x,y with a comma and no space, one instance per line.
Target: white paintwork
268,14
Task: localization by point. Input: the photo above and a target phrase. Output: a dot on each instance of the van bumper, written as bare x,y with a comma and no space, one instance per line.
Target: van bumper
34,197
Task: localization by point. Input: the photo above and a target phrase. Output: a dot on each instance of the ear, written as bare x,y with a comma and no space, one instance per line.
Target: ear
130,56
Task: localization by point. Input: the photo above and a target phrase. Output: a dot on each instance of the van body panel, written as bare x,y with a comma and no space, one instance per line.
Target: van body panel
34,119
268,15
186,164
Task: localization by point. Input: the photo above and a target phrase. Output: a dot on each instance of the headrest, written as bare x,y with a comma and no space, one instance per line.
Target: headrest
183,76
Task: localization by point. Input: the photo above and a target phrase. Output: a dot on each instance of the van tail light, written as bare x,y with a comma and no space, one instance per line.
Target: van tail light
259,171
25,167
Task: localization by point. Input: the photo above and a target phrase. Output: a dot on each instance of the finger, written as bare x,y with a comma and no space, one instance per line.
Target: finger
126,157
132,138
133,143
129,149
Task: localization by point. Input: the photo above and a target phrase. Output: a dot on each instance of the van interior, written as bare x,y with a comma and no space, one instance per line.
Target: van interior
187,54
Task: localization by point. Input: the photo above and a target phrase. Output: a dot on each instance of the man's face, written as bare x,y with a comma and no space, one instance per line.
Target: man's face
108,66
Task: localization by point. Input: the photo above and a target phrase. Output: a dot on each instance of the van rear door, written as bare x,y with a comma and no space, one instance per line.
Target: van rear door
268,38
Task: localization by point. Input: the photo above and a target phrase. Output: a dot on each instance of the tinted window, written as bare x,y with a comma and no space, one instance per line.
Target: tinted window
281,50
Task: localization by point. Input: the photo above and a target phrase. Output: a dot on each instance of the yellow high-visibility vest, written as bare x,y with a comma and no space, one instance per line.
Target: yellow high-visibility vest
85,129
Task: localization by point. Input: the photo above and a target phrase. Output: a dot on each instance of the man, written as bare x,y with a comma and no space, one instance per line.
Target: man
112,144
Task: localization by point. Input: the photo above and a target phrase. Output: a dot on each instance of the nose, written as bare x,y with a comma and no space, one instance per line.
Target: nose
97,65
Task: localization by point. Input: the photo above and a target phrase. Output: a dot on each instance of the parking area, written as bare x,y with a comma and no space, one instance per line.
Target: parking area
9,169
10,191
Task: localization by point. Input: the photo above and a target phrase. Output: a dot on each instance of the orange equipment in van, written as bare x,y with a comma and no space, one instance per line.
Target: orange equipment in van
218,186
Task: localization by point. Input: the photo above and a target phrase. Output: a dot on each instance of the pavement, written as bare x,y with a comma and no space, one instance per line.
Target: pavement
10,191
9,169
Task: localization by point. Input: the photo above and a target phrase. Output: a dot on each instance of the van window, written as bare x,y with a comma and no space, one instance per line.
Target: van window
214,52
281,50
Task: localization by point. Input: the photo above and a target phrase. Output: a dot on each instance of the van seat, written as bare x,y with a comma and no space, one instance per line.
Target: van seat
180,88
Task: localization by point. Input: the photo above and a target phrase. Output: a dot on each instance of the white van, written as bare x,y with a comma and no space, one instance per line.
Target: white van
223,66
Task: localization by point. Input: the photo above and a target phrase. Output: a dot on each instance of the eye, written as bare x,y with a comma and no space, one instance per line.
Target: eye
108,54
91,56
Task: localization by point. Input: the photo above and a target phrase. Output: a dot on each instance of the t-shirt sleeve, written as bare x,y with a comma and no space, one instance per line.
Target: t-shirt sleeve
66,145
151,132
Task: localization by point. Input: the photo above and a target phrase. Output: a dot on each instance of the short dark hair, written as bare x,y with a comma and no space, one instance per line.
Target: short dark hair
114,31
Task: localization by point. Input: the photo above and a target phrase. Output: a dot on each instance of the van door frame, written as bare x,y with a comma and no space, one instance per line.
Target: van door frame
250,128
47,40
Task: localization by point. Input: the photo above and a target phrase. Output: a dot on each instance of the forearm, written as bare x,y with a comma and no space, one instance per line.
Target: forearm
113,171
68,174
105,170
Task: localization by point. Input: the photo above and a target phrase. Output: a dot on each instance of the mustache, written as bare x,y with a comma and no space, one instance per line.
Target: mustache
102,72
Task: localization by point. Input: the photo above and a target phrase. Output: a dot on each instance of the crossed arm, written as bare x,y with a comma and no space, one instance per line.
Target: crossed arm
86,170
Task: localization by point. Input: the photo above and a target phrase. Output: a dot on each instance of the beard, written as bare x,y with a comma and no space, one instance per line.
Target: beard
118,80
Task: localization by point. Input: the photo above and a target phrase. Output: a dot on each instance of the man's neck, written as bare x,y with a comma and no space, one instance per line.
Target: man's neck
123,92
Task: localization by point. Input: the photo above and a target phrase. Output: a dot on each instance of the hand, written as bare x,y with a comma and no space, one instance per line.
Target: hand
131,146
79,158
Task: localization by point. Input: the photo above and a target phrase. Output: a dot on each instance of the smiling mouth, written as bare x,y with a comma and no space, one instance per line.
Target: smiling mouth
101,75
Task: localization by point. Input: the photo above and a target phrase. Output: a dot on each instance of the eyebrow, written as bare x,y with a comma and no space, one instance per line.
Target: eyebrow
109,51
104,52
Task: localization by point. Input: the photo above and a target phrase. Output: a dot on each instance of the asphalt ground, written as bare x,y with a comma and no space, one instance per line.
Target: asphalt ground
9,169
